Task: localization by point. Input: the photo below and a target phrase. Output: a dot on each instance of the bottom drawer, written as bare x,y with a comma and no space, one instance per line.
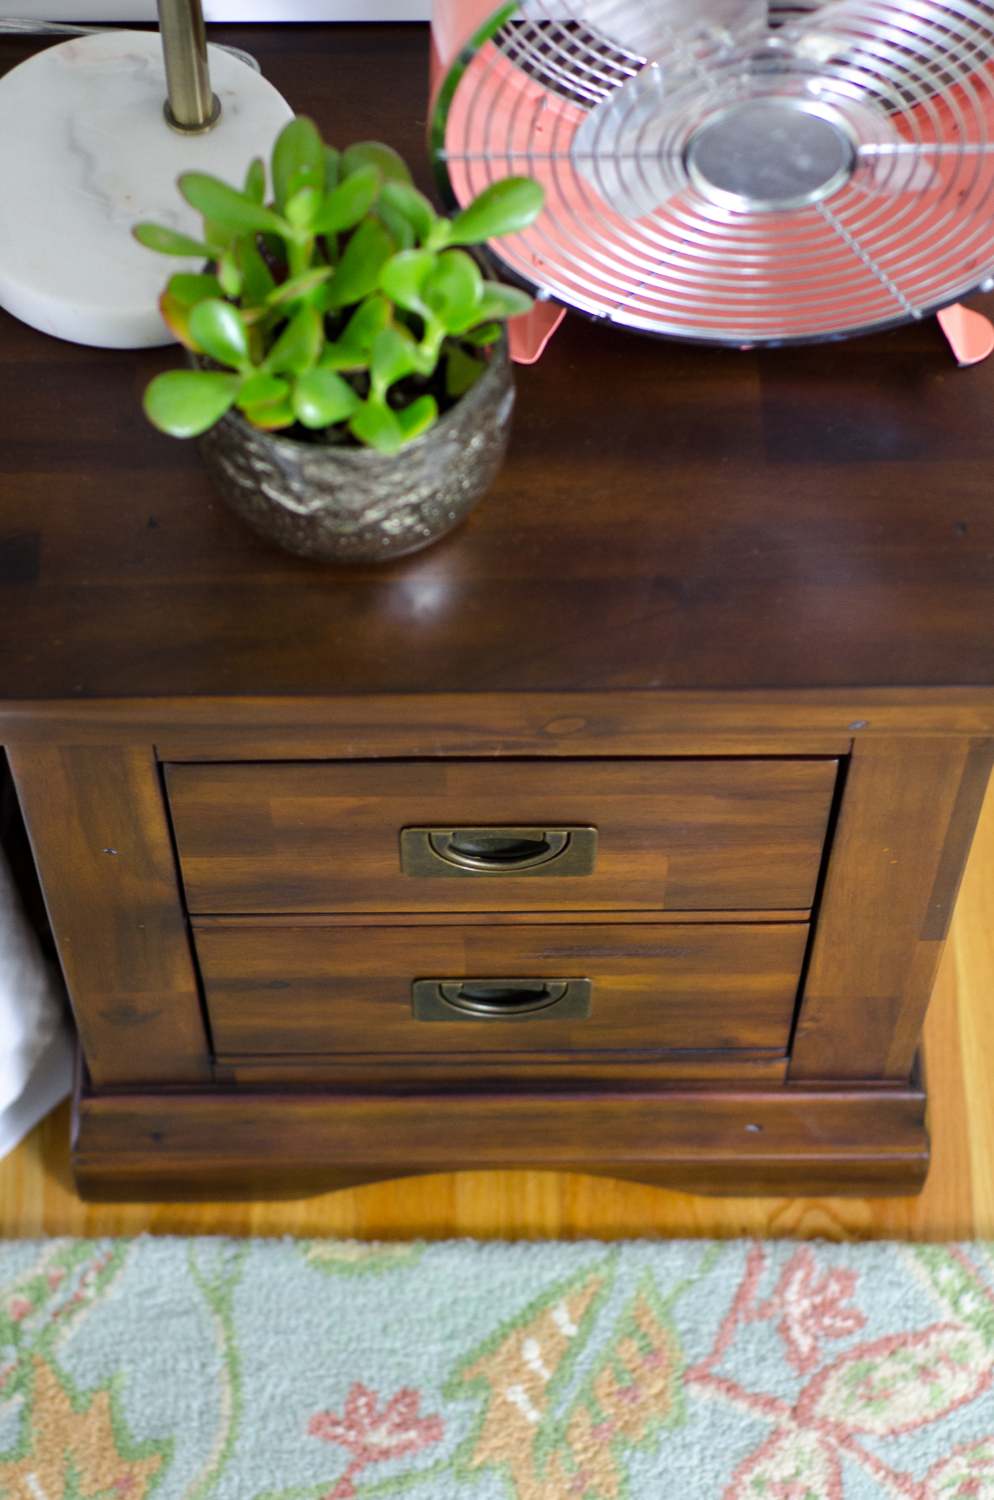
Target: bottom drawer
334,990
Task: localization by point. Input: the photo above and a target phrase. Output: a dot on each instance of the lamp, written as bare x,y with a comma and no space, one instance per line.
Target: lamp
93,135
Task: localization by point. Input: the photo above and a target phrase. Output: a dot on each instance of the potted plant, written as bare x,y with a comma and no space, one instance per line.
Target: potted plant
351,385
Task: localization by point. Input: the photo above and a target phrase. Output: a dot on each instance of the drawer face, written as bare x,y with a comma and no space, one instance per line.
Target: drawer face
325,990
679,835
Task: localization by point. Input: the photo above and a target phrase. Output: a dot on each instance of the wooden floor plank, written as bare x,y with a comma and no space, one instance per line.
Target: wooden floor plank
974,959
36,1196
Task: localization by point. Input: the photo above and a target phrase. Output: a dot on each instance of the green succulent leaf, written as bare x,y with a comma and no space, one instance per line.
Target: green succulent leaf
500,301
176,316
399,225
502,208
343,208
404,275
352,350
185,403
257,276
418,417
189,290
311,176
332,158
462,371
229,274
298,346
359,268
377,426
487,333
219,236
454,289
271,416
299,148
169,241
412,204
296,288
391,359
219,331
374,154
302,207
262,390
341,356
321,398
225,205
255,181
367,320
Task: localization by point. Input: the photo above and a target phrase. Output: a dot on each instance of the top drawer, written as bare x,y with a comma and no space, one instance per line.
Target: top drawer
690,835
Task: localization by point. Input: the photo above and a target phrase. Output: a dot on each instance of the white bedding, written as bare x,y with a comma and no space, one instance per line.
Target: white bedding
36,1039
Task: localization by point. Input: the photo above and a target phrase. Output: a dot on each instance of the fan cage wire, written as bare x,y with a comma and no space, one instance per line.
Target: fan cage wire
629,271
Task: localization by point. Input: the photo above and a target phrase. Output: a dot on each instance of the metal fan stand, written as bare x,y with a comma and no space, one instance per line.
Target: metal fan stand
104,125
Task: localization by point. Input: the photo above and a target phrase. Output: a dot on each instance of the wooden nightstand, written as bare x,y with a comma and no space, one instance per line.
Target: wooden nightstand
726,615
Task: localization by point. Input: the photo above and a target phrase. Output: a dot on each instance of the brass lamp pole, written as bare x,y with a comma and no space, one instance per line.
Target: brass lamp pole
191,108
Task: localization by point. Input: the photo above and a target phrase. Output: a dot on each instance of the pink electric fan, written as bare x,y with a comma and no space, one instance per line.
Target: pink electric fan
728,172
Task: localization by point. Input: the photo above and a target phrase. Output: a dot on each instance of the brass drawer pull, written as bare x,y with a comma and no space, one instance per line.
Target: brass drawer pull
501,999
461,852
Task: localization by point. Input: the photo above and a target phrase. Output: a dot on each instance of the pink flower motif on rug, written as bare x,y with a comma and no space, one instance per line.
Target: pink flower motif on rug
812,1310
371,1435
790,1465
892,1385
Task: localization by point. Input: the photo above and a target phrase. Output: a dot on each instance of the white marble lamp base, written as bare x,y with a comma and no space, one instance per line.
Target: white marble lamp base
85,153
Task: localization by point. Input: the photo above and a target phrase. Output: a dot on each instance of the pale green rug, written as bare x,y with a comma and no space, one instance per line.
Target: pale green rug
296,1370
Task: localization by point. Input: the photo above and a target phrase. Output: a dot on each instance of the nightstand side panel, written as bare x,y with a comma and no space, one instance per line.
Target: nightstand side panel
100,836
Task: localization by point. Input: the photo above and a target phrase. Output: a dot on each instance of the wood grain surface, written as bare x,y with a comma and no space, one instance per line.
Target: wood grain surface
908,815
275,1142
97,823
671,834
655,989
669,516
459,1070
784,723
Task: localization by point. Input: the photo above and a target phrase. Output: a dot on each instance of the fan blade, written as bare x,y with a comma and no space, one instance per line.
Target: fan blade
660,28
621,148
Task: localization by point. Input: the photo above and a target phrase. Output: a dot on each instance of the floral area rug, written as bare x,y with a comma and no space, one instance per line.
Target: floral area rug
327,1370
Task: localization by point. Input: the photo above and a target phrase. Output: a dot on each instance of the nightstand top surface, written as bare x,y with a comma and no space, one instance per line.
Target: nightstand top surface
669,516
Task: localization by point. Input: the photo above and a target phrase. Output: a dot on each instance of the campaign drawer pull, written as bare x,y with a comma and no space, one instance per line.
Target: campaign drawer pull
501,999
461,852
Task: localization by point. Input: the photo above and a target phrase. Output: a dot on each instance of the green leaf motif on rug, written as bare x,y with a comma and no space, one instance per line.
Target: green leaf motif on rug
358,1258
217,1286
631,1393
957,1286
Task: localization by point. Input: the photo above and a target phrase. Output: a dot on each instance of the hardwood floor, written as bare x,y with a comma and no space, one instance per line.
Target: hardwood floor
36,1196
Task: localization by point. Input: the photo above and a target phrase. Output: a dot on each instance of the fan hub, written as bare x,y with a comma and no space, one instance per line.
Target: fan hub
770,154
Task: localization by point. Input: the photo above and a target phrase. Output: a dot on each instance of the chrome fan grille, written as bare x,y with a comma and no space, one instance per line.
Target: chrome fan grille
567,58
579,64
629,232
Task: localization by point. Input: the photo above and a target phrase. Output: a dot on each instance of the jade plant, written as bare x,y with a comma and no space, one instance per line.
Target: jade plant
344,304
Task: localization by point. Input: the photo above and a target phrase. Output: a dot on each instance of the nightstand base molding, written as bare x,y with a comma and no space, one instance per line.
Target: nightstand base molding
198,1145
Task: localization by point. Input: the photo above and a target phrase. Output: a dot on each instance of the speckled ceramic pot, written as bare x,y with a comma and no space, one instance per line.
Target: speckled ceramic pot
358,505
